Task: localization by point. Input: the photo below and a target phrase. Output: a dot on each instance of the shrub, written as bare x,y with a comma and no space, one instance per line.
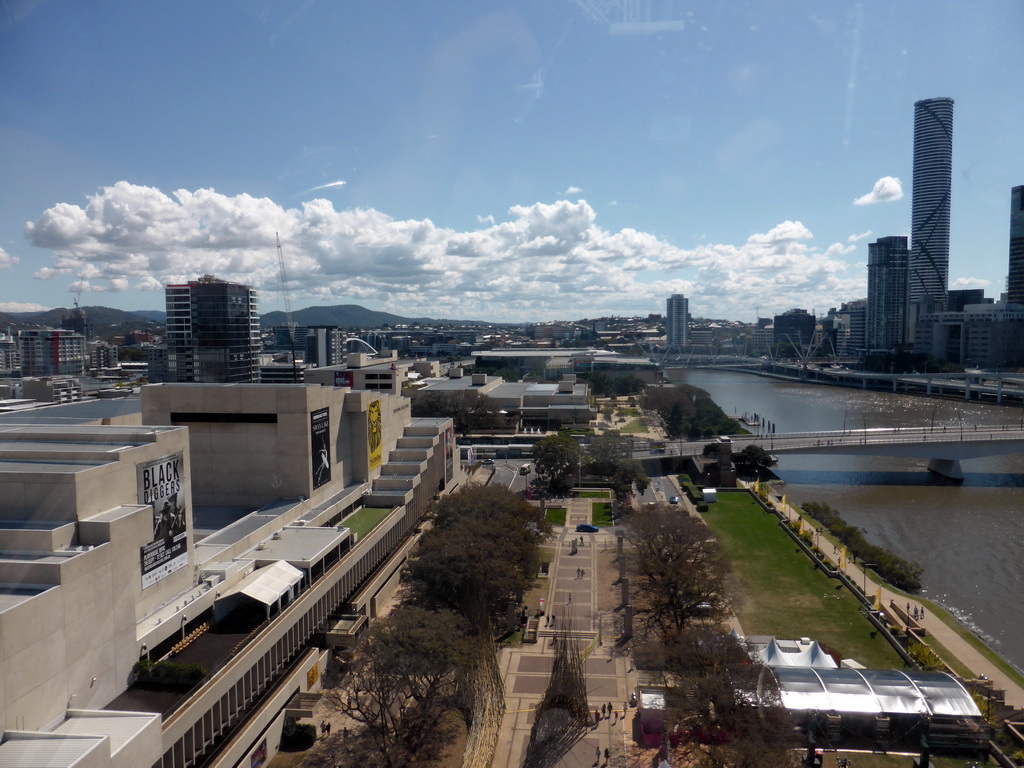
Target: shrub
297,736
168,672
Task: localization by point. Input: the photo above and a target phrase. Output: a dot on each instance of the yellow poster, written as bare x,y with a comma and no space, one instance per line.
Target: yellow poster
374,434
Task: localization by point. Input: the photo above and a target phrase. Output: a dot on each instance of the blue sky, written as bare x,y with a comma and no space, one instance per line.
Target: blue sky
519,160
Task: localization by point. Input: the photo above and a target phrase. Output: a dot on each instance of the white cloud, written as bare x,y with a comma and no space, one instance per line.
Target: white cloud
6,260
572,191
886,189
488,219
21,306
966,283
861,236
543,261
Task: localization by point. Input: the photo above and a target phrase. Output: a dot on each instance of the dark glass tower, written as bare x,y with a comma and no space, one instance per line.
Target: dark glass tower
888,307
213,332
1015,285
933,176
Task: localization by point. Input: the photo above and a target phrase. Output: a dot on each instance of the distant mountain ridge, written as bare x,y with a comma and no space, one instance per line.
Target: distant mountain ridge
103,318
351,316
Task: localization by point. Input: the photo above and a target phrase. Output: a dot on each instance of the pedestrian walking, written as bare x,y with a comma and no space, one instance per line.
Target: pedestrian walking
583,572
598,758
922,613
606,754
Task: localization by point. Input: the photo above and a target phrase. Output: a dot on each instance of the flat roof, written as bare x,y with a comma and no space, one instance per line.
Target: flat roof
47,751
84,412
298,544
120,727
16,594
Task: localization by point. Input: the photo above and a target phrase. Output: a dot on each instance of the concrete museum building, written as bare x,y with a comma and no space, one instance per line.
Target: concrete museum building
248,528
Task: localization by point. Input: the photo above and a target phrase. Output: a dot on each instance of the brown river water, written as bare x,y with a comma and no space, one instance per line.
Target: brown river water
968,536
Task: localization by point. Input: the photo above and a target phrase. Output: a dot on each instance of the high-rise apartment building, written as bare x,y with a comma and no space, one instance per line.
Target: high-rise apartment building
932,185
677,322
1015,284
888,312
325,345
796,327
213,332
51,352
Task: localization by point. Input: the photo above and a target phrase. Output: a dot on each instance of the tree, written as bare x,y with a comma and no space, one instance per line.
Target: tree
679,569
607,451
601,383
557,460
754,457
403,685
480,553
627,474
674,423
469,411
729,701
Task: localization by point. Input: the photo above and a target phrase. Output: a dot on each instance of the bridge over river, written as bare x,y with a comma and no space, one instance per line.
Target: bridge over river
944,447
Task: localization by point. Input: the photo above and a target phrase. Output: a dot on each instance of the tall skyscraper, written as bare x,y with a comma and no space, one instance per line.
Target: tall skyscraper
677,323
52,352
933,176
1015,284
888,311
213,332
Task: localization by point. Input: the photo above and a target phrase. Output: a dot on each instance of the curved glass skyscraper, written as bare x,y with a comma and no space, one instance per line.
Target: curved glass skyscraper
933,175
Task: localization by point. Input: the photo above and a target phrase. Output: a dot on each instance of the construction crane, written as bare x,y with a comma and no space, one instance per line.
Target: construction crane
289,323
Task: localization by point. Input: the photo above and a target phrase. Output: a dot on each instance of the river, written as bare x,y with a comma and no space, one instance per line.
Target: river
969,537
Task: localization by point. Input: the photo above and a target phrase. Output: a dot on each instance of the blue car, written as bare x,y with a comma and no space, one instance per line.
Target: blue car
586,528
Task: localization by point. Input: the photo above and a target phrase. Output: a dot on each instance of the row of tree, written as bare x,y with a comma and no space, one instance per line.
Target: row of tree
560,460
901,573
687,411
413,681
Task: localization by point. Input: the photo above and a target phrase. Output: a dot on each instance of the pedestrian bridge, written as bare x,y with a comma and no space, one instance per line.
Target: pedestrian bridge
944,446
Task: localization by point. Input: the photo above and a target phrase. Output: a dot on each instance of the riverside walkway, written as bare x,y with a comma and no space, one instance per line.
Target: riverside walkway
955,645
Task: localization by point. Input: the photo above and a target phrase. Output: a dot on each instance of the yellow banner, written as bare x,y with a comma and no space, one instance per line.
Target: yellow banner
374,434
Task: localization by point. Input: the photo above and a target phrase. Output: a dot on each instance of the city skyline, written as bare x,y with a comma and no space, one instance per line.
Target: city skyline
501,161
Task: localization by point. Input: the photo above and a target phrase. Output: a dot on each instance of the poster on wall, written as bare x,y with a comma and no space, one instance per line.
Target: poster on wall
344,379
320,446
161,486
259,757
374,434
449,454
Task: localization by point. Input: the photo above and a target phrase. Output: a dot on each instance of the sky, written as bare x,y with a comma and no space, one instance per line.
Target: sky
517,160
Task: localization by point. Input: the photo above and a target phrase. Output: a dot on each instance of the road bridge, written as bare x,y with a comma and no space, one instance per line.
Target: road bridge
943,446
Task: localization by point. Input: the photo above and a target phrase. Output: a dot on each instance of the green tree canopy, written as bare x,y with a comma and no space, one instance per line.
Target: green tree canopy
557,460
469,411
607,451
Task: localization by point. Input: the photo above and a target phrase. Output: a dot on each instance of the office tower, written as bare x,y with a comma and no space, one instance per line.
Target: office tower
51,352
1015,284
325,345
213,332
796,327
677,320
888,312
933,174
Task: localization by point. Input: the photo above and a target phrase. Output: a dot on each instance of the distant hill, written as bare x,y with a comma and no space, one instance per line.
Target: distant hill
152,314
345,316
106,322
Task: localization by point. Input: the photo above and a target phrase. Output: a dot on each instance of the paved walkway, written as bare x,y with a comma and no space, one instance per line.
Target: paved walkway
966,653
573,600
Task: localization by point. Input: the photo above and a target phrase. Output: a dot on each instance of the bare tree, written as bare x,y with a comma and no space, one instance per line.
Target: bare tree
679,569
404,687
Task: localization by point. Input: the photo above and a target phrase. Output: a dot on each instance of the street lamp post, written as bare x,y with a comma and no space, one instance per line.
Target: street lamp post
864,573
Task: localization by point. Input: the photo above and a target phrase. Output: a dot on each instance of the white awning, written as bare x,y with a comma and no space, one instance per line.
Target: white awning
268,584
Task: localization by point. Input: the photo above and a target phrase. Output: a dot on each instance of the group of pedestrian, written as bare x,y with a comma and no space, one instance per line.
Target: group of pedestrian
580,573
607,754
325,729
917,612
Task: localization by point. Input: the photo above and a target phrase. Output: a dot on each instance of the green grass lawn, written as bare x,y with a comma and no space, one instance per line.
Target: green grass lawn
782,594
634,425
555,515
594,494
365,520
601,513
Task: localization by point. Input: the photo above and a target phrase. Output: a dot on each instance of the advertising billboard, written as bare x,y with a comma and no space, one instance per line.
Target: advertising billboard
449,454
320,446
374,434
344,379
161,485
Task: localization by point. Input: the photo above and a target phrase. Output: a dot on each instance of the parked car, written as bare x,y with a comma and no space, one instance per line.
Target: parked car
586,528
674,500
487,462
